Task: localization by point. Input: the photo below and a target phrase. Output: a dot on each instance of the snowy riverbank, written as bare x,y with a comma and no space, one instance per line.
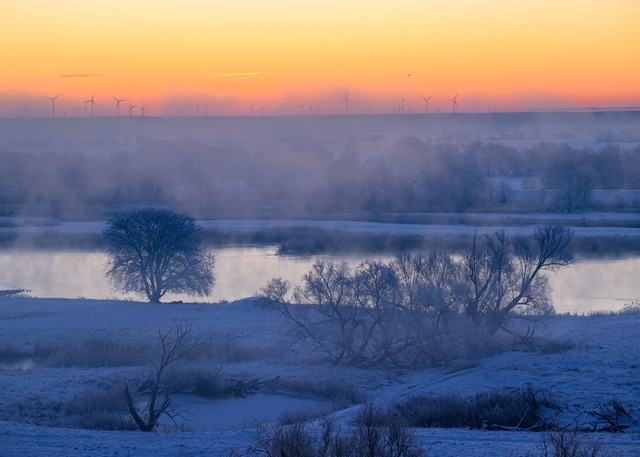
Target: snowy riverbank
584,361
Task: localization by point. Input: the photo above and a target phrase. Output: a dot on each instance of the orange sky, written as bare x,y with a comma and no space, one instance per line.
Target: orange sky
282,53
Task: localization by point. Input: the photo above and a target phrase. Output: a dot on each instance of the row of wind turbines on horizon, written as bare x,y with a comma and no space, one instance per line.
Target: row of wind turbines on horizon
401,107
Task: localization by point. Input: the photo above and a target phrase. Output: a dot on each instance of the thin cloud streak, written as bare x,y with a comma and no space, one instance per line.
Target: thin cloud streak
81,75
228,75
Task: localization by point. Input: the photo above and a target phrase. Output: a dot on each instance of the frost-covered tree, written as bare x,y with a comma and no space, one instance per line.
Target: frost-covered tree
414,307
504,276
156,251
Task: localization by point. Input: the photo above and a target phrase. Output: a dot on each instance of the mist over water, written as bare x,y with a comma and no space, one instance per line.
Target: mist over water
303,165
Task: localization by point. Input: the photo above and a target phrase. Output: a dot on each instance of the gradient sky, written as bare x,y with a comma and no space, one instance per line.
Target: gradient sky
228,55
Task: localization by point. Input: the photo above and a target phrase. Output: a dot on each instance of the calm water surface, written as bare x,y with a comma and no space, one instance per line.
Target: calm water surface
242,271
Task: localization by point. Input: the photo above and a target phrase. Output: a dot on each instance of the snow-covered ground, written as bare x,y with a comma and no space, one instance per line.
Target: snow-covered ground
588,361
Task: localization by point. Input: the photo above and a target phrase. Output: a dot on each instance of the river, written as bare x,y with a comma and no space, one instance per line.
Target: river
241,271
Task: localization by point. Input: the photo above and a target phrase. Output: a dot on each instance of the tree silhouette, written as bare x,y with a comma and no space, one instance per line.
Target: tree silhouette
155,251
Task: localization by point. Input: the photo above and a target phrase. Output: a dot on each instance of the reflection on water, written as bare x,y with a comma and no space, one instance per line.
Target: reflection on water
242,271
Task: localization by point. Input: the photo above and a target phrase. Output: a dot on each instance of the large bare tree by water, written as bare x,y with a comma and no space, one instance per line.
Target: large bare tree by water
157,251
424,307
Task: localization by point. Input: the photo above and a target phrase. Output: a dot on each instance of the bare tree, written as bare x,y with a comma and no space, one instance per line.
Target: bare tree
329,317
400,312
354,318
430,284
156,251
503,275
175,343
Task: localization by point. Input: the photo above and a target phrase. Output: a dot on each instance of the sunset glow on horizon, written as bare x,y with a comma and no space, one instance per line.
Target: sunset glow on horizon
196,56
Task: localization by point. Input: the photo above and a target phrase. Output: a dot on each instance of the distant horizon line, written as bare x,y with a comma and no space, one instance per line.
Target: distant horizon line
306,115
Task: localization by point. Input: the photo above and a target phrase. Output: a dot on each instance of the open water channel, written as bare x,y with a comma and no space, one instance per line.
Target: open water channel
241,271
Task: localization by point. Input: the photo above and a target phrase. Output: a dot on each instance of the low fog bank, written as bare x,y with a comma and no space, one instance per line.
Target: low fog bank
606,126
321,166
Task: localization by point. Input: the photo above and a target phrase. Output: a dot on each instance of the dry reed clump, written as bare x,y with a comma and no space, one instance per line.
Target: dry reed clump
93,352
506,409
110,351
99,409
9,352
93,408
223,348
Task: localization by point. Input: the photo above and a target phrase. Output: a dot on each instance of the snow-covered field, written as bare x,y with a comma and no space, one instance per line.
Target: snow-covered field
585,362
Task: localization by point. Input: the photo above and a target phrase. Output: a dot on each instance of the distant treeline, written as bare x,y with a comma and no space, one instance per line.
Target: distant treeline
298,177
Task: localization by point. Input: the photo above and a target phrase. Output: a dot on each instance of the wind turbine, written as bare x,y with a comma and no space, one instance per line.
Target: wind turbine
402,99
262,107
301,107
74,108
251,108
92,101
131,107
426,103
53,105
118,104
454,103
165,109
197,108
143,108
346,102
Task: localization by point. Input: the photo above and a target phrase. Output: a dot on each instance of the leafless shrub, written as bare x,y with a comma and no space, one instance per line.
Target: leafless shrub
378,433
373,434
295,440
610,416
568,442
631,308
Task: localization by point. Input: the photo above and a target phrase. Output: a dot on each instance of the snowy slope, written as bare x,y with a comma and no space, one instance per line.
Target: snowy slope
596,360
